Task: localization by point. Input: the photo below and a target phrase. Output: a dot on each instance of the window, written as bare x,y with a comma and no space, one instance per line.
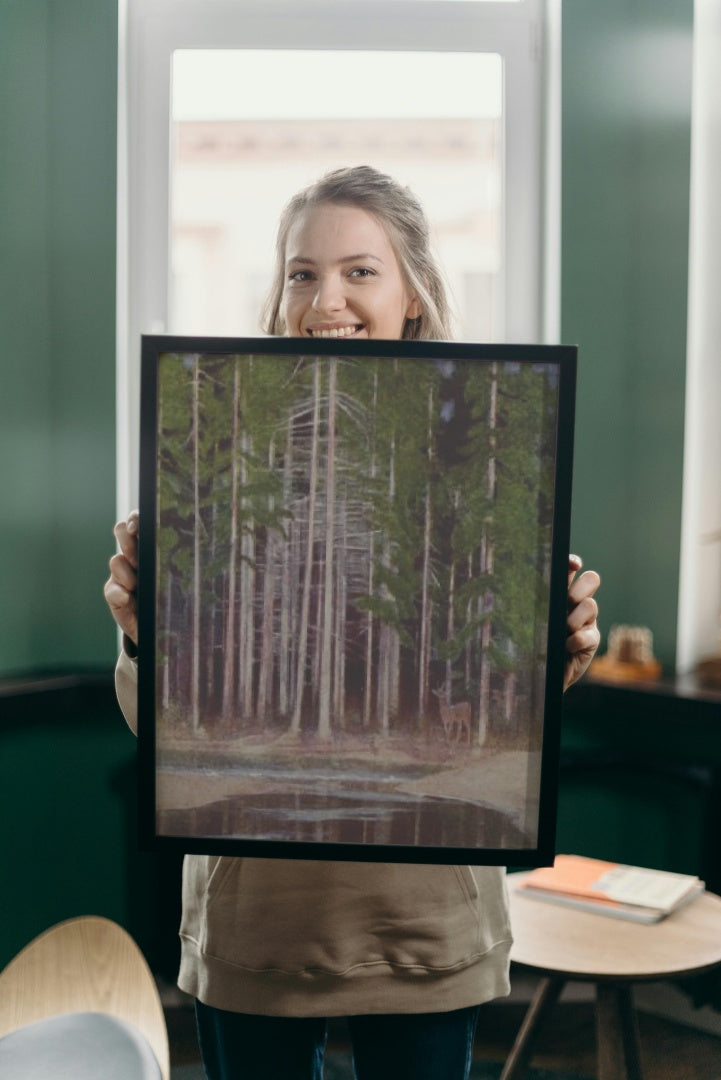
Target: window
699,623
235,161
227,107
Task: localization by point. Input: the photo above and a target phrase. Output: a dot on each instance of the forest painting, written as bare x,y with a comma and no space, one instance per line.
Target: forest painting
351,599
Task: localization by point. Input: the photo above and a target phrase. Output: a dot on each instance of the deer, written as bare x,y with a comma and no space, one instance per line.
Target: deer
456,719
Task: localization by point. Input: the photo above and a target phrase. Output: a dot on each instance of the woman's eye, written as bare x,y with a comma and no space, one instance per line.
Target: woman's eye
362,272
300,276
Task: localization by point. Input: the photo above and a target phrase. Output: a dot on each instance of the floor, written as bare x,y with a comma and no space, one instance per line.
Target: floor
669,1050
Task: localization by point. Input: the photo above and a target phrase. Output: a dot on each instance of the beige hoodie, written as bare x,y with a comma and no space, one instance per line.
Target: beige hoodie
283,937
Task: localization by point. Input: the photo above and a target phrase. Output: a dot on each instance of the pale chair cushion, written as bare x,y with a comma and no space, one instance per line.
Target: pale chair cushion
78,1046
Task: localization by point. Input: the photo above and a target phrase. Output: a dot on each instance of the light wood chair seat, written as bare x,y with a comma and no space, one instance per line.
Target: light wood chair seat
84,965
562,944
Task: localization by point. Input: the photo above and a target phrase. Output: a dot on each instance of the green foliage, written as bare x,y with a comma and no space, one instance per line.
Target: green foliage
442,482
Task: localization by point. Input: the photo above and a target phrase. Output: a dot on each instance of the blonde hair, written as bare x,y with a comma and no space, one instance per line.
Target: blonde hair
403,217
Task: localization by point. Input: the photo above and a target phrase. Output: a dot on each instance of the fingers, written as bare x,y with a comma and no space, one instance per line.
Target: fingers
582,613
123,607
582,588
575,562
582,634
121,587
126,534
123,573
584,641
582,607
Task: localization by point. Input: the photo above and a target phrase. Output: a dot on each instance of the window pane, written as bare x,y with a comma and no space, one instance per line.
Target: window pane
252,127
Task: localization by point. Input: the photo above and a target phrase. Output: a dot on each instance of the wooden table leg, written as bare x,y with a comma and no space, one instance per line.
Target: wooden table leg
545,997
617,1033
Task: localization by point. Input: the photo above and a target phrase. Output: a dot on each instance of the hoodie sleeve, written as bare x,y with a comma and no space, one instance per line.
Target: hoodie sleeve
126,688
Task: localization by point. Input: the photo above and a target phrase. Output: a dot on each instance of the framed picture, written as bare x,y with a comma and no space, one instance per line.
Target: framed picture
352,597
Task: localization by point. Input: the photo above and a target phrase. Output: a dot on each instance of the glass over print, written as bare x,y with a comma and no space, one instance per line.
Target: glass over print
352,597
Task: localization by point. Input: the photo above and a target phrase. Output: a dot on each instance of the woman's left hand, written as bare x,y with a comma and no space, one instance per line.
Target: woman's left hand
583,635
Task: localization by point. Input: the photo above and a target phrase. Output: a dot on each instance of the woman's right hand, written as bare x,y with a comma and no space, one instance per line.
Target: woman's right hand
121,587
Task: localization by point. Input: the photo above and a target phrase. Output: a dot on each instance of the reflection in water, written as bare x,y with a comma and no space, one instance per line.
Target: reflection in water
355,818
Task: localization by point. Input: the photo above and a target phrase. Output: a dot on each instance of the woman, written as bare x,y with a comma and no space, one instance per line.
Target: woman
271,948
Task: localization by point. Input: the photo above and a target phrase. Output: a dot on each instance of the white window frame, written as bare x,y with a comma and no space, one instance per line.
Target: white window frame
699,596
526,34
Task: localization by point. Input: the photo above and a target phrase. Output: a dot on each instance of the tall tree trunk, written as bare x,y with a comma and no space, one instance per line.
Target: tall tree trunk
450,617
297,558
229,658
484,686
450,627
326,655
286,595
195,646
509,702
426,612
469,615
339,629
368,687
487,566
316,616
168,648
382,709
166,611
266,668
246,621
308,574
388,636
210,630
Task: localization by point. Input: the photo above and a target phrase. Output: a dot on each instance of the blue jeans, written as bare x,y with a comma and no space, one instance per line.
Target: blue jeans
422,1046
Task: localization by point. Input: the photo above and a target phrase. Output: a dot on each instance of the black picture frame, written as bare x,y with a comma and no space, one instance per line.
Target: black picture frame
353,572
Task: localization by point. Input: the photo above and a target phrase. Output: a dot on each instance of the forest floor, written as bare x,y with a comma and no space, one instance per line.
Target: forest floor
504,774
502,779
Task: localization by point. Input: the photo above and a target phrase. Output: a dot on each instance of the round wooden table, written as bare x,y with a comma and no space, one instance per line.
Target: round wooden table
563,944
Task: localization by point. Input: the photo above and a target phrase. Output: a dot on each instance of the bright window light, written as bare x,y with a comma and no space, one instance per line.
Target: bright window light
239,154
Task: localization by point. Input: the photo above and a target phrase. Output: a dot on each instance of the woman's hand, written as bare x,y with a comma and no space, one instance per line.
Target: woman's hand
121,587
583,635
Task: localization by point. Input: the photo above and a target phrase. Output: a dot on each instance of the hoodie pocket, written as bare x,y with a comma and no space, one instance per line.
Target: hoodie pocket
295,916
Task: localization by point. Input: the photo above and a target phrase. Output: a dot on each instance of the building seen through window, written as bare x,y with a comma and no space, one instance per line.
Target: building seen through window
231,175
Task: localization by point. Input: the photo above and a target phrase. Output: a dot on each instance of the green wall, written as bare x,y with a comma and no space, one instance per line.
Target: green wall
68,803
67,774
58,72
625,199
626,136
626,105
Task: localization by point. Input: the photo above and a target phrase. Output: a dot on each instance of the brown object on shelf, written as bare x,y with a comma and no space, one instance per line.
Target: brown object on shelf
629,658
709,671
605,667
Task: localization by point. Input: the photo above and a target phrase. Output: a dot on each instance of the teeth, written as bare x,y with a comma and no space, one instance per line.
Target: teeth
336,332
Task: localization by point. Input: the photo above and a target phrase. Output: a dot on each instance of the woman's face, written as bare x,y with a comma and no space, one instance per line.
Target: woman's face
342,277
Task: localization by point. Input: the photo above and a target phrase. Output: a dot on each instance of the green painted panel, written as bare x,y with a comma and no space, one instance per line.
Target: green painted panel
626,161
64,784
57,326
69,786
641,778
25,398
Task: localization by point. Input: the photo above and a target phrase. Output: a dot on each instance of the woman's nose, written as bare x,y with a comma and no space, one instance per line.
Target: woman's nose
329,296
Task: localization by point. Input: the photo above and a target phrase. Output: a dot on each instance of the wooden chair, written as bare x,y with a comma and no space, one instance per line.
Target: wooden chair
80,975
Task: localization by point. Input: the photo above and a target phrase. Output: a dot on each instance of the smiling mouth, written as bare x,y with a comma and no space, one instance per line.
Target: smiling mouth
335,331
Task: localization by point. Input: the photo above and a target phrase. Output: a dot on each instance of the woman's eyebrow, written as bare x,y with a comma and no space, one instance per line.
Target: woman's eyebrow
361,257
